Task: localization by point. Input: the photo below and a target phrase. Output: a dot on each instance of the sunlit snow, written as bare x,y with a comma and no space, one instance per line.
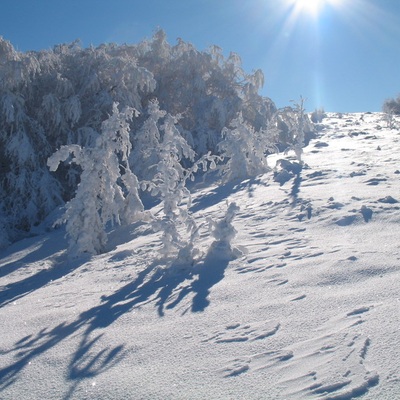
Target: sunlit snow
305,305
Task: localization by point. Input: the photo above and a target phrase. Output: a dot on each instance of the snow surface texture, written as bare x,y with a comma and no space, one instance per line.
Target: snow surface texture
309,309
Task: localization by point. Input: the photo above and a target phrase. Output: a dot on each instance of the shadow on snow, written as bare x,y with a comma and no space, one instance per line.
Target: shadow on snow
165,287
222,192
38,251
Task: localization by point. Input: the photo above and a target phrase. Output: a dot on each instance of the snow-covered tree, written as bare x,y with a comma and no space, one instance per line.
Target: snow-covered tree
204,87
49,99
27,191
292,128
244,149
104,194
299,129
169,184
146,152
61,96
170,179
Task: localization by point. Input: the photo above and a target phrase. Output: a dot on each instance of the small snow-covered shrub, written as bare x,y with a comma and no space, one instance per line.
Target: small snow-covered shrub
389,118
392,106
224,232
318,115
188,252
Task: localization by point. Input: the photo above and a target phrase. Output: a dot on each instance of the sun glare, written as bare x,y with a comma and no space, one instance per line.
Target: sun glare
312,7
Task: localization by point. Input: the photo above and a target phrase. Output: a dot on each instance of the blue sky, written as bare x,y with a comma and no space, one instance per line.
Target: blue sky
346,57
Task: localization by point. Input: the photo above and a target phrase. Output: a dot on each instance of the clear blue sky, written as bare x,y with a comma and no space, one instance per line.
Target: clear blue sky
344,58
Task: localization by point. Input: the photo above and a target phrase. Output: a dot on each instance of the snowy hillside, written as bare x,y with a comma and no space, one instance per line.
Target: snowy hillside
308,309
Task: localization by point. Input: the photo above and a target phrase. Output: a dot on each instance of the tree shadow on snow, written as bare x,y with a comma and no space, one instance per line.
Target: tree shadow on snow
30,250
90,358
160,285
294,193
86,362
39,251
208,273
16,290
165,287
222,192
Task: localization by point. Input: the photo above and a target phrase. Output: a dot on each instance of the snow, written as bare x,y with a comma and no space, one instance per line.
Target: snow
310,309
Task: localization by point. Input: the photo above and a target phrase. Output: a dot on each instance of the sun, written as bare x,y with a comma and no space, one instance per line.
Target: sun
311,7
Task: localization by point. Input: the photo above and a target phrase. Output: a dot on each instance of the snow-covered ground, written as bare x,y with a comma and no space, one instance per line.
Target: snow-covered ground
310,310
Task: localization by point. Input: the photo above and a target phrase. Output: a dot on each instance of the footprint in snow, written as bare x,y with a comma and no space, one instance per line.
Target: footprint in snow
331,365
388,200
243,333
258,269
321,144
278,281
358,173
375,181
301,297
305,211
366,213
317,175
256,362
346,221
358,311
335,205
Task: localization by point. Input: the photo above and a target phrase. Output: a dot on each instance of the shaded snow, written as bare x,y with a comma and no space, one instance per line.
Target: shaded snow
310,309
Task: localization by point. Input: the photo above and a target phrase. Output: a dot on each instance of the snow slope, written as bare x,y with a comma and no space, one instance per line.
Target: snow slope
311,309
